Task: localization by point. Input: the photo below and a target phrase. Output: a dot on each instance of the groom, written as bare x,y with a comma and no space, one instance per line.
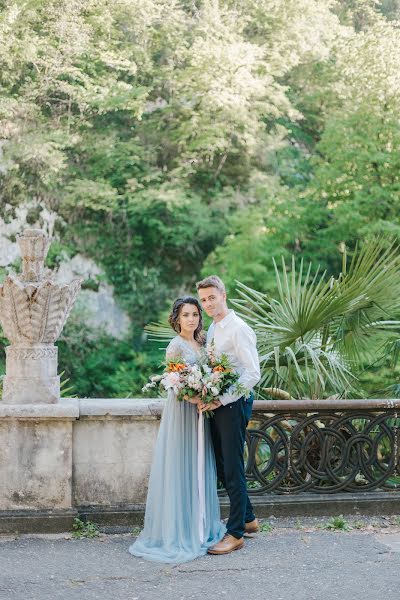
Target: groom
231,336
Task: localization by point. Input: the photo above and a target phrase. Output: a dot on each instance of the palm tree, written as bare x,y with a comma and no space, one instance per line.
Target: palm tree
314,336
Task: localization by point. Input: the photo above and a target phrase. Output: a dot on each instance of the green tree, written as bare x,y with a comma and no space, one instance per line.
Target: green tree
172,138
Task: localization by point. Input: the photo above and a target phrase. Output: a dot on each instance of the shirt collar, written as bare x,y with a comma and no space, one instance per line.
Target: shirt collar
226,320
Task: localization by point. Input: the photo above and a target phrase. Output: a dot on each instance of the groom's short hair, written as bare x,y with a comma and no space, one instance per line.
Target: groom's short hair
211,281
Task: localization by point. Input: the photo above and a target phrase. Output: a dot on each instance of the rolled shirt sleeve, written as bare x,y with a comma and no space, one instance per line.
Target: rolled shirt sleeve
245,347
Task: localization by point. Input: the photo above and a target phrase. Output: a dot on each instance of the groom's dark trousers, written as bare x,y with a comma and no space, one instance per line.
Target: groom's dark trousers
228,431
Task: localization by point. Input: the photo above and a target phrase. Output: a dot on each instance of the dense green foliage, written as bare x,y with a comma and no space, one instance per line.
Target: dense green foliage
175,139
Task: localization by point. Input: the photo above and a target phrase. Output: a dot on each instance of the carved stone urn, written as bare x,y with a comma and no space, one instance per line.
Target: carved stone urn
33,311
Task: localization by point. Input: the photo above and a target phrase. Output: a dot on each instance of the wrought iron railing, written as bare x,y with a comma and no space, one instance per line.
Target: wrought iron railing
323,446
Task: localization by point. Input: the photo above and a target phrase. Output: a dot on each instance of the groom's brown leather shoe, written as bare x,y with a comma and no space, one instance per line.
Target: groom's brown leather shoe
228,544
252,527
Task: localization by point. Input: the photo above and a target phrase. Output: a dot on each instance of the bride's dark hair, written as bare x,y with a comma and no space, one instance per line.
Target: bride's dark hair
173,318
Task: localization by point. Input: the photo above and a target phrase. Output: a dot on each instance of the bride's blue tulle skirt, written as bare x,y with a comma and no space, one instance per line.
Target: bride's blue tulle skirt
171,530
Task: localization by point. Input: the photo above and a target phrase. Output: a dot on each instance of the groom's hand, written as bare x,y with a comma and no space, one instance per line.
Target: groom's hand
203,407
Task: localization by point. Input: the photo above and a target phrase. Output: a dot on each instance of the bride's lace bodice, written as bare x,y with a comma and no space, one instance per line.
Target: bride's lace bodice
179,348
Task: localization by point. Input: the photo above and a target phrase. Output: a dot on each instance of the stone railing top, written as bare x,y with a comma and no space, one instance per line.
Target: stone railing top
65,409
121,407
92,408
152,407
145,407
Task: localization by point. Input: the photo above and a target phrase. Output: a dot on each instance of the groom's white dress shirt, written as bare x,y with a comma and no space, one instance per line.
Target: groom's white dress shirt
233,337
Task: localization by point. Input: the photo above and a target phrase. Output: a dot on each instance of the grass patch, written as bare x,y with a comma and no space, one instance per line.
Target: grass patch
266,527
337,524
84,529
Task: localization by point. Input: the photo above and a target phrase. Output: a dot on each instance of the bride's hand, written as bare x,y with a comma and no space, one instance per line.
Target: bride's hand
202,407
192,400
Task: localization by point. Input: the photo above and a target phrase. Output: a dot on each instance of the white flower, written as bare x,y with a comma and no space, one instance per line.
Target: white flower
172,380
148,387
214,391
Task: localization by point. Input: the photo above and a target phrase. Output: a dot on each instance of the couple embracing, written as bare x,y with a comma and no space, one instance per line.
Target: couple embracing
181,523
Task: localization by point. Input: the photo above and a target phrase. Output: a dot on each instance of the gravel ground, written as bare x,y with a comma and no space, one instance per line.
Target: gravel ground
291,558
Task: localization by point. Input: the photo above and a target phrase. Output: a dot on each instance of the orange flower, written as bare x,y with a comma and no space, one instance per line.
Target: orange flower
220,369
174,367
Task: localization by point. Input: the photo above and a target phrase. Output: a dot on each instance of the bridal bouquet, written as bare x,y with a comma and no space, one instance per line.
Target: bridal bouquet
209,378
219,377
179,376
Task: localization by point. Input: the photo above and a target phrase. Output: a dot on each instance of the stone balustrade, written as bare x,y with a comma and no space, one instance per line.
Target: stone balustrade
93,456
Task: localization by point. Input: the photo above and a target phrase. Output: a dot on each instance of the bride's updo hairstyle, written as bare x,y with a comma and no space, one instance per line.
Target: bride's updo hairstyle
173,318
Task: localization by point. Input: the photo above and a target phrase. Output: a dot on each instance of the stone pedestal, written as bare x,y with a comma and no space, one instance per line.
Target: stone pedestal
36,455
33,311
31,375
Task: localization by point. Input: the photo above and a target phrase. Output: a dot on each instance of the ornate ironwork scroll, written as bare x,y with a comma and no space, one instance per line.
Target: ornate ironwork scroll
323,451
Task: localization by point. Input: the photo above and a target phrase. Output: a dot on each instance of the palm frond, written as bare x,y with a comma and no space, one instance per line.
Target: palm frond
159,332
392,352
391,391
311,337
305,370
66,391
374,270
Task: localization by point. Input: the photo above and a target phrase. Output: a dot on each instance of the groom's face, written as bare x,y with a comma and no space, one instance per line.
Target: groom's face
213,301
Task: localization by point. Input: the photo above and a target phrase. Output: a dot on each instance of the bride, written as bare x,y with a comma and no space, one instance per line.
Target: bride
182,518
